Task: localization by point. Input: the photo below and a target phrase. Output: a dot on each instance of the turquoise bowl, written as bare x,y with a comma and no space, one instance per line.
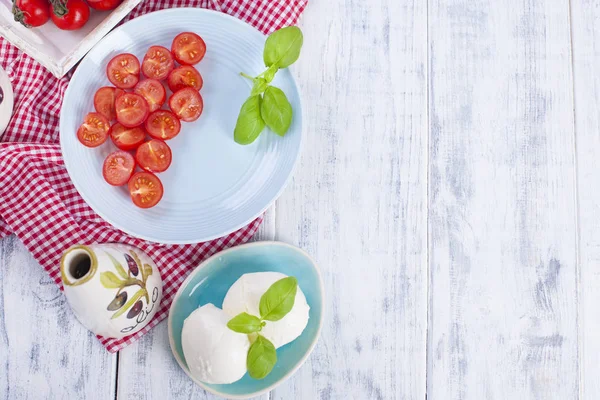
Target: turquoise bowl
209,283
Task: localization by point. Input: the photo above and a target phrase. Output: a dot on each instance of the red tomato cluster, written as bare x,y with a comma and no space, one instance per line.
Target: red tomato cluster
66,14
137,106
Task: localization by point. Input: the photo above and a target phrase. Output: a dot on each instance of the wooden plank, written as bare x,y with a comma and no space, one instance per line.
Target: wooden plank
503,265
147,369
585,22
357,202
44,352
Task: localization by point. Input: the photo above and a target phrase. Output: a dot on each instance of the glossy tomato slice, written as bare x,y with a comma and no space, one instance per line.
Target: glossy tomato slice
145,189
188,48
157,63
123,71
118,168
185,76
154,93
154,156
131,109
127,138
186,104
94,130
163,124
104,101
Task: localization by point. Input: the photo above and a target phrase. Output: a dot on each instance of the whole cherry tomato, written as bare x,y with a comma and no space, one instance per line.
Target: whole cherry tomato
103,5
69,15
31,13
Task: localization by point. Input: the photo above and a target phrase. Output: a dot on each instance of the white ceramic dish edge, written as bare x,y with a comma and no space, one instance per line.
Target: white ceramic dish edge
6,108
59,67
302,360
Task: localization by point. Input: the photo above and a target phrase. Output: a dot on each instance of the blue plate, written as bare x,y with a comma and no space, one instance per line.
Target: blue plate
214,186
209,284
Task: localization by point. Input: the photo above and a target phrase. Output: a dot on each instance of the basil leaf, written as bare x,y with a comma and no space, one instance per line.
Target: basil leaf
244,323
276,110
262,357
110,280
249,123
270,73
279,299
282,47
260,84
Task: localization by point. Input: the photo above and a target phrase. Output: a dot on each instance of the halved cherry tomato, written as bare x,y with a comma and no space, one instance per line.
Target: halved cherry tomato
154,93
186,104
163,124
145,189
94,130
118,168
103,5
188,48
185,76
154,156
123,71
157,63
127,138
131,109
104,101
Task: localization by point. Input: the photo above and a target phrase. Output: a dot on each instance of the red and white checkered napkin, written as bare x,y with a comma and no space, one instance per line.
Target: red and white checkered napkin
39,203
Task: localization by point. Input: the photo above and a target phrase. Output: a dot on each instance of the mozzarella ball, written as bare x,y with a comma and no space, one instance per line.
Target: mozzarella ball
244,296
213,352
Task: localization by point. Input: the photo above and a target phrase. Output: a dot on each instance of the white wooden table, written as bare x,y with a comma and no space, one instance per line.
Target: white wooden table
448,187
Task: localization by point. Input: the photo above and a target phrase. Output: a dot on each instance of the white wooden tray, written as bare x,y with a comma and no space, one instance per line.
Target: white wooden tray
60,50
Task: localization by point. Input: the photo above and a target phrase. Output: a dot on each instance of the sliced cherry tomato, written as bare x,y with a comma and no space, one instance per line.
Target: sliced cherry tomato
154,93
145,189
31,13
163,124
185,76
123,71
118,168
154,156
119,92
94,130
131,109
188,48
70,15
103,5
157,63
127,138
104,101
186,104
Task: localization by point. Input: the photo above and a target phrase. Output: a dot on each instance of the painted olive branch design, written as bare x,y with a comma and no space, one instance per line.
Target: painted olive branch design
125,279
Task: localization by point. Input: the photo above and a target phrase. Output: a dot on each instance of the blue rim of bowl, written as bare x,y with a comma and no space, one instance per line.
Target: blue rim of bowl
298,364
215,236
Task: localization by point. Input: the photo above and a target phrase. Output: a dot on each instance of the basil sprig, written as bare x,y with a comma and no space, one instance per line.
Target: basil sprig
267,104
274,304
